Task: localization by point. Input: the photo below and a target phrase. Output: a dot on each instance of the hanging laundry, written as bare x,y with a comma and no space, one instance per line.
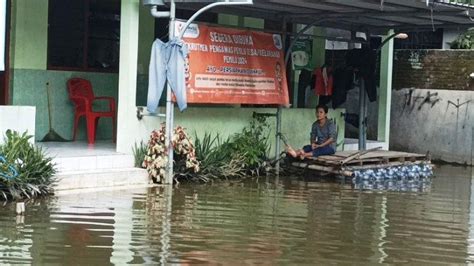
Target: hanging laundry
364,61
324,81
343,82
167,64
303,82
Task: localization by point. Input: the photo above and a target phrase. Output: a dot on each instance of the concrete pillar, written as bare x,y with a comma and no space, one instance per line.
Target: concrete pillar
129,129
127,72
385,91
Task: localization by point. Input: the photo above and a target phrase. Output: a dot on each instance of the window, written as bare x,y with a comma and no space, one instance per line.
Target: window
84,35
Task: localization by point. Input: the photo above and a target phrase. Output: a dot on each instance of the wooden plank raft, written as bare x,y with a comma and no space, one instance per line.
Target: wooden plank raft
345,162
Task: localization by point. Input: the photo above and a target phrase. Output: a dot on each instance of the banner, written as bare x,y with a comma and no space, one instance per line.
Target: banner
231,66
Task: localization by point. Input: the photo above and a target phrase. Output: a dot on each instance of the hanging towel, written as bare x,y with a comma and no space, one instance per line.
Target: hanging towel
167,64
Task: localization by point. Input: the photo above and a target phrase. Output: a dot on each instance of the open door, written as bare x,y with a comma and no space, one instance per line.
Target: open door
4,50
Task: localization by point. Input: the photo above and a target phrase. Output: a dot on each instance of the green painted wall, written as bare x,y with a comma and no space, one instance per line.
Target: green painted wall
230,20
296,123
29,34
146,36
30,89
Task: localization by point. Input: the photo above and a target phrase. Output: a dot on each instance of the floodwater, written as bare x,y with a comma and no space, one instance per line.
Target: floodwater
286,221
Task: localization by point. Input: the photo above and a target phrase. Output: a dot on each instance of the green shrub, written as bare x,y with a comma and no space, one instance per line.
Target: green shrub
464,41
252,143
238,156
217,159
35,169
139,152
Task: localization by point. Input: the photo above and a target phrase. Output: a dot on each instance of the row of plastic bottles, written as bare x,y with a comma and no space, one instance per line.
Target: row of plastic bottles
410,172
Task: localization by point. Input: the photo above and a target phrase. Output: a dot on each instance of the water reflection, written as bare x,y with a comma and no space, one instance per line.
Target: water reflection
293,220
402,185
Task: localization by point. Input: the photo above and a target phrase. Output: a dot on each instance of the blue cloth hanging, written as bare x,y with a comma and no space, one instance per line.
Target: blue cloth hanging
167,63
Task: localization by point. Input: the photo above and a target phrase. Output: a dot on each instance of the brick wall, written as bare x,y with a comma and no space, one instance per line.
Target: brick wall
433,69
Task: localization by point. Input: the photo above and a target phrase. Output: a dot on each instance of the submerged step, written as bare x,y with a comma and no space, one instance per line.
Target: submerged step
77,163
101,178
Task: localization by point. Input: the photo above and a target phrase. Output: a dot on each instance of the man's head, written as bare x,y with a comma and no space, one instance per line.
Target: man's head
321,111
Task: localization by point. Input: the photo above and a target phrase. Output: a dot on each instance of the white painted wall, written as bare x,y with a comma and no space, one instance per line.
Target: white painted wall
18,118
449,35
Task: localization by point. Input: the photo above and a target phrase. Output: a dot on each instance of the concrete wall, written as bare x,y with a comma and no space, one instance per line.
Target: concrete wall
425,116
434,125
18,118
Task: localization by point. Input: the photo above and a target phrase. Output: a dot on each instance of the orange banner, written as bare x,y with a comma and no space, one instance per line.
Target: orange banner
234,66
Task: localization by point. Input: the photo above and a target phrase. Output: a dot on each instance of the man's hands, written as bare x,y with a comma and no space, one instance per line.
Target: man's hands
314,145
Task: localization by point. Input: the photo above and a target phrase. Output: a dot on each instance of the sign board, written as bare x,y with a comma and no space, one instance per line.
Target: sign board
232,66
301,54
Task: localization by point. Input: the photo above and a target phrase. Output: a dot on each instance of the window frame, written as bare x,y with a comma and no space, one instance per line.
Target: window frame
85,50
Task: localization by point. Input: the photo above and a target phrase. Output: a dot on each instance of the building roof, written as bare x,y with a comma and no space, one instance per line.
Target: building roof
375,16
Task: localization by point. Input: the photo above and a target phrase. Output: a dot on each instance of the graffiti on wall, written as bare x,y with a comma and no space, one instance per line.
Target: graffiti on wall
419,100
414,60
458,106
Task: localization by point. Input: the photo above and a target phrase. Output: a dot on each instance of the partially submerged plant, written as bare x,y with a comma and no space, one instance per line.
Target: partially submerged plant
238,156
252,142
211,157
35,169
139,153
156,157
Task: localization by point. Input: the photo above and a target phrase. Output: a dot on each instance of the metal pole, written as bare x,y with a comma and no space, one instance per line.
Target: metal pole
170,107
364,120
361,113
278,114
169,102
200,11
277,139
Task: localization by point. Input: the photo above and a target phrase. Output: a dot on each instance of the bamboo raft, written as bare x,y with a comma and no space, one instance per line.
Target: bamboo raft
348,163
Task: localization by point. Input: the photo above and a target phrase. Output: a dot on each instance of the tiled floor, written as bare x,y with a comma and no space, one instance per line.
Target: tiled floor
353,144
78,148
79,156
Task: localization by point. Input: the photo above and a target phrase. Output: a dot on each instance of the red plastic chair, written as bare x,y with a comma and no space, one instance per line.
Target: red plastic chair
81,94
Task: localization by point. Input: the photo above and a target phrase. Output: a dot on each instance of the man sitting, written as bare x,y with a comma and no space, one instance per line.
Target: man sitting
323,137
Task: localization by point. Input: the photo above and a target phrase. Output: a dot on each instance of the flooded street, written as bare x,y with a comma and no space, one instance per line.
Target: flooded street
285,221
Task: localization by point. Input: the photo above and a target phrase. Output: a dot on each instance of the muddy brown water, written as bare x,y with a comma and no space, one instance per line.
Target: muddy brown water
284,221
